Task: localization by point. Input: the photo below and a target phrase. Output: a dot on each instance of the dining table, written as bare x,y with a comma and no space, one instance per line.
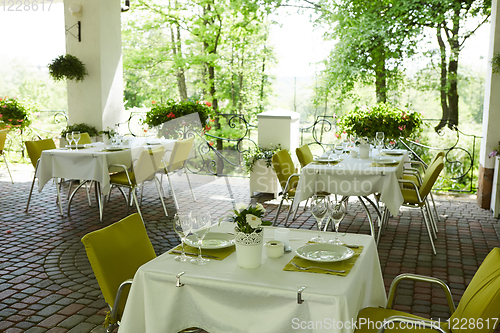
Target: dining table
92,162
350,175
169,295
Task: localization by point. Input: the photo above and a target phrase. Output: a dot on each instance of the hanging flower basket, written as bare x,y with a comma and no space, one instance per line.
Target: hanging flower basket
67,67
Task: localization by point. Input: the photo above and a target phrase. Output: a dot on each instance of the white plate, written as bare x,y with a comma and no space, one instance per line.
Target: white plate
381,160
77,146
115,148
327,159
212,240
324,252
393,152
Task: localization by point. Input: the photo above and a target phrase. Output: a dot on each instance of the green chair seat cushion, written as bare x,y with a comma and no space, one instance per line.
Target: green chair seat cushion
377,316
413,179
120,178
410,197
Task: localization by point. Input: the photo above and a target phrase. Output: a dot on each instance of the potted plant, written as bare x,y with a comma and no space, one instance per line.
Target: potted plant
67,67
161,113
82,128
258,163
15,114
107,135
394,122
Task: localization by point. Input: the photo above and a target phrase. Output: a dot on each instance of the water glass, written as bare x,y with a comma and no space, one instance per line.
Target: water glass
337,213
69,139
379,140
200,225
76,138
182,226
319,209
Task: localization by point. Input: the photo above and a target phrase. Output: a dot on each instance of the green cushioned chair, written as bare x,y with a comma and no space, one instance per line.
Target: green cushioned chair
288,179
479,305
115,253
35,149
304,155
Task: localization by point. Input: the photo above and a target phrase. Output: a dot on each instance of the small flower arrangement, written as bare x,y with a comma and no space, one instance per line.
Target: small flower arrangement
495,152
109,132
394,122
248,219
251,156
14,114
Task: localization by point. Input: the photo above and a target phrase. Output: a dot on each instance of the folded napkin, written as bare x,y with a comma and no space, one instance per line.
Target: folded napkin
193,251
339,265
378,165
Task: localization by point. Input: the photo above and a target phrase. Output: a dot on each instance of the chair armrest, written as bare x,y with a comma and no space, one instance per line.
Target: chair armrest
422,164
114,311
405,181
410,322
422,278
285,190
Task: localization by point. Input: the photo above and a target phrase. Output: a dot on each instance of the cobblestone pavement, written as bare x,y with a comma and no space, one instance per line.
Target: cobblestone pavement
47,284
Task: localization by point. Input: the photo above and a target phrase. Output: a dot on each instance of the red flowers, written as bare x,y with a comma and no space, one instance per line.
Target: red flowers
208,127
171,115
208,104
153,102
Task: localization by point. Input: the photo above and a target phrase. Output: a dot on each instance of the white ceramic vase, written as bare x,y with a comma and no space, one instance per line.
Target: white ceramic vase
249,248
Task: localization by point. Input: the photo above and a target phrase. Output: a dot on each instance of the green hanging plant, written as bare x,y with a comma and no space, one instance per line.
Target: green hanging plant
67,67
495,63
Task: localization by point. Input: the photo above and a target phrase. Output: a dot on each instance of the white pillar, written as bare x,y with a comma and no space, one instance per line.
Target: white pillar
98,99
491,112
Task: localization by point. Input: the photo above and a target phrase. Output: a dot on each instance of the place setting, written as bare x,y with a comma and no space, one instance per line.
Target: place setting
198,243
319,255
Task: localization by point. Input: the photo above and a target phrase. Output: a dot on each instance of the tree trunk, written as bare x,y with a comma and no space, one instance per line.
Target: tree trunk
179,71
443,83
380,74
453,72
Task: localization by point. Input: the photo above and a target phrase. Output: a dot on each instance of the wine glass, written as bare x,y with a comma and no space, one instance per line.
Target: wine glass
182,226
337,212
76,138
69,138
319,209
379,139
200,224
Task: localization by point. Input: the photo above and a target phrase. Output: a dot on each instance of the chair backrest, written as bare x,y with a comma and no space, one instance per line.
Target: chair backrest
481,298
3,137
148,163
116,252
84,138
304,155
430,177
283,166
180,154
35,148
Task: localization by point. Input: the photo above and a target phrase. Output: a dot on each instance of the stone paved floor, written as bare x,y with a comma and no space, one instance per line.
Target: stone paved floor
47,284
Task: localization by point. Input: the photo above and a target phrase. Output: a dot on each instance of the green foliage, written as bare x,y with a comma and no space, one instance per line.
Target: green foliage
162,112
82,128
15,114
67,67
252,155
241,217
495,63
109,132
394,122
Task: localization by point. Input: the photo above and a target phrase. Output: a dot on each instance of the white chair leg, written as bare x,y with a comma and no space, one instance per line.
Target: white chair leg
136,203
173,192
159,194
275,223
434,207
7,165
189,182
428,229
31,192
59,198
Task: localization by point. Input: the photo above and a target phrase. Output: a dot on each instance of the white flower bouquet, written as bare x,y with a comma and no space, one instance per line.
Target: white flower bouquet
248,219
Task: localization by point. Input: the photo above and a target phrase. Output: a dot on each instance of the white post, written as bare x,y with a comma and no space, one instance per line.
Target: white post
98,99
491,114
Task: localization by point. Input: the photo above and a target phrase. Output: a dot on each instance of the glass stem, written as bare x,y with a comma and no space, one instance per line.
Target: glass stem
182,244
200,258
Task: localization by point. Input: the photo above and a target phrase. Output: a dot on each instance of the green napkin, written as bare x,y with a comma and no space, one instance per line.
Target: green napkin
339,265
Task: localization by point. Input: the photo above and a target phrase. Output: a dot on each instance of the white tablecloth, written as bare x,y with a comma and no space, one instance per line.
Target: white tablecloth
353,177
221,297
89,164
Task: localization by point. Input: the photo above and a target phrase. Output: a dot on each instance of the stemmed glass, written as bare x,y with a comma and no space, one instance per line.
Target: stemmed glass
337,212
69,139
200,225
319,209
76,138
182,226
379,139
